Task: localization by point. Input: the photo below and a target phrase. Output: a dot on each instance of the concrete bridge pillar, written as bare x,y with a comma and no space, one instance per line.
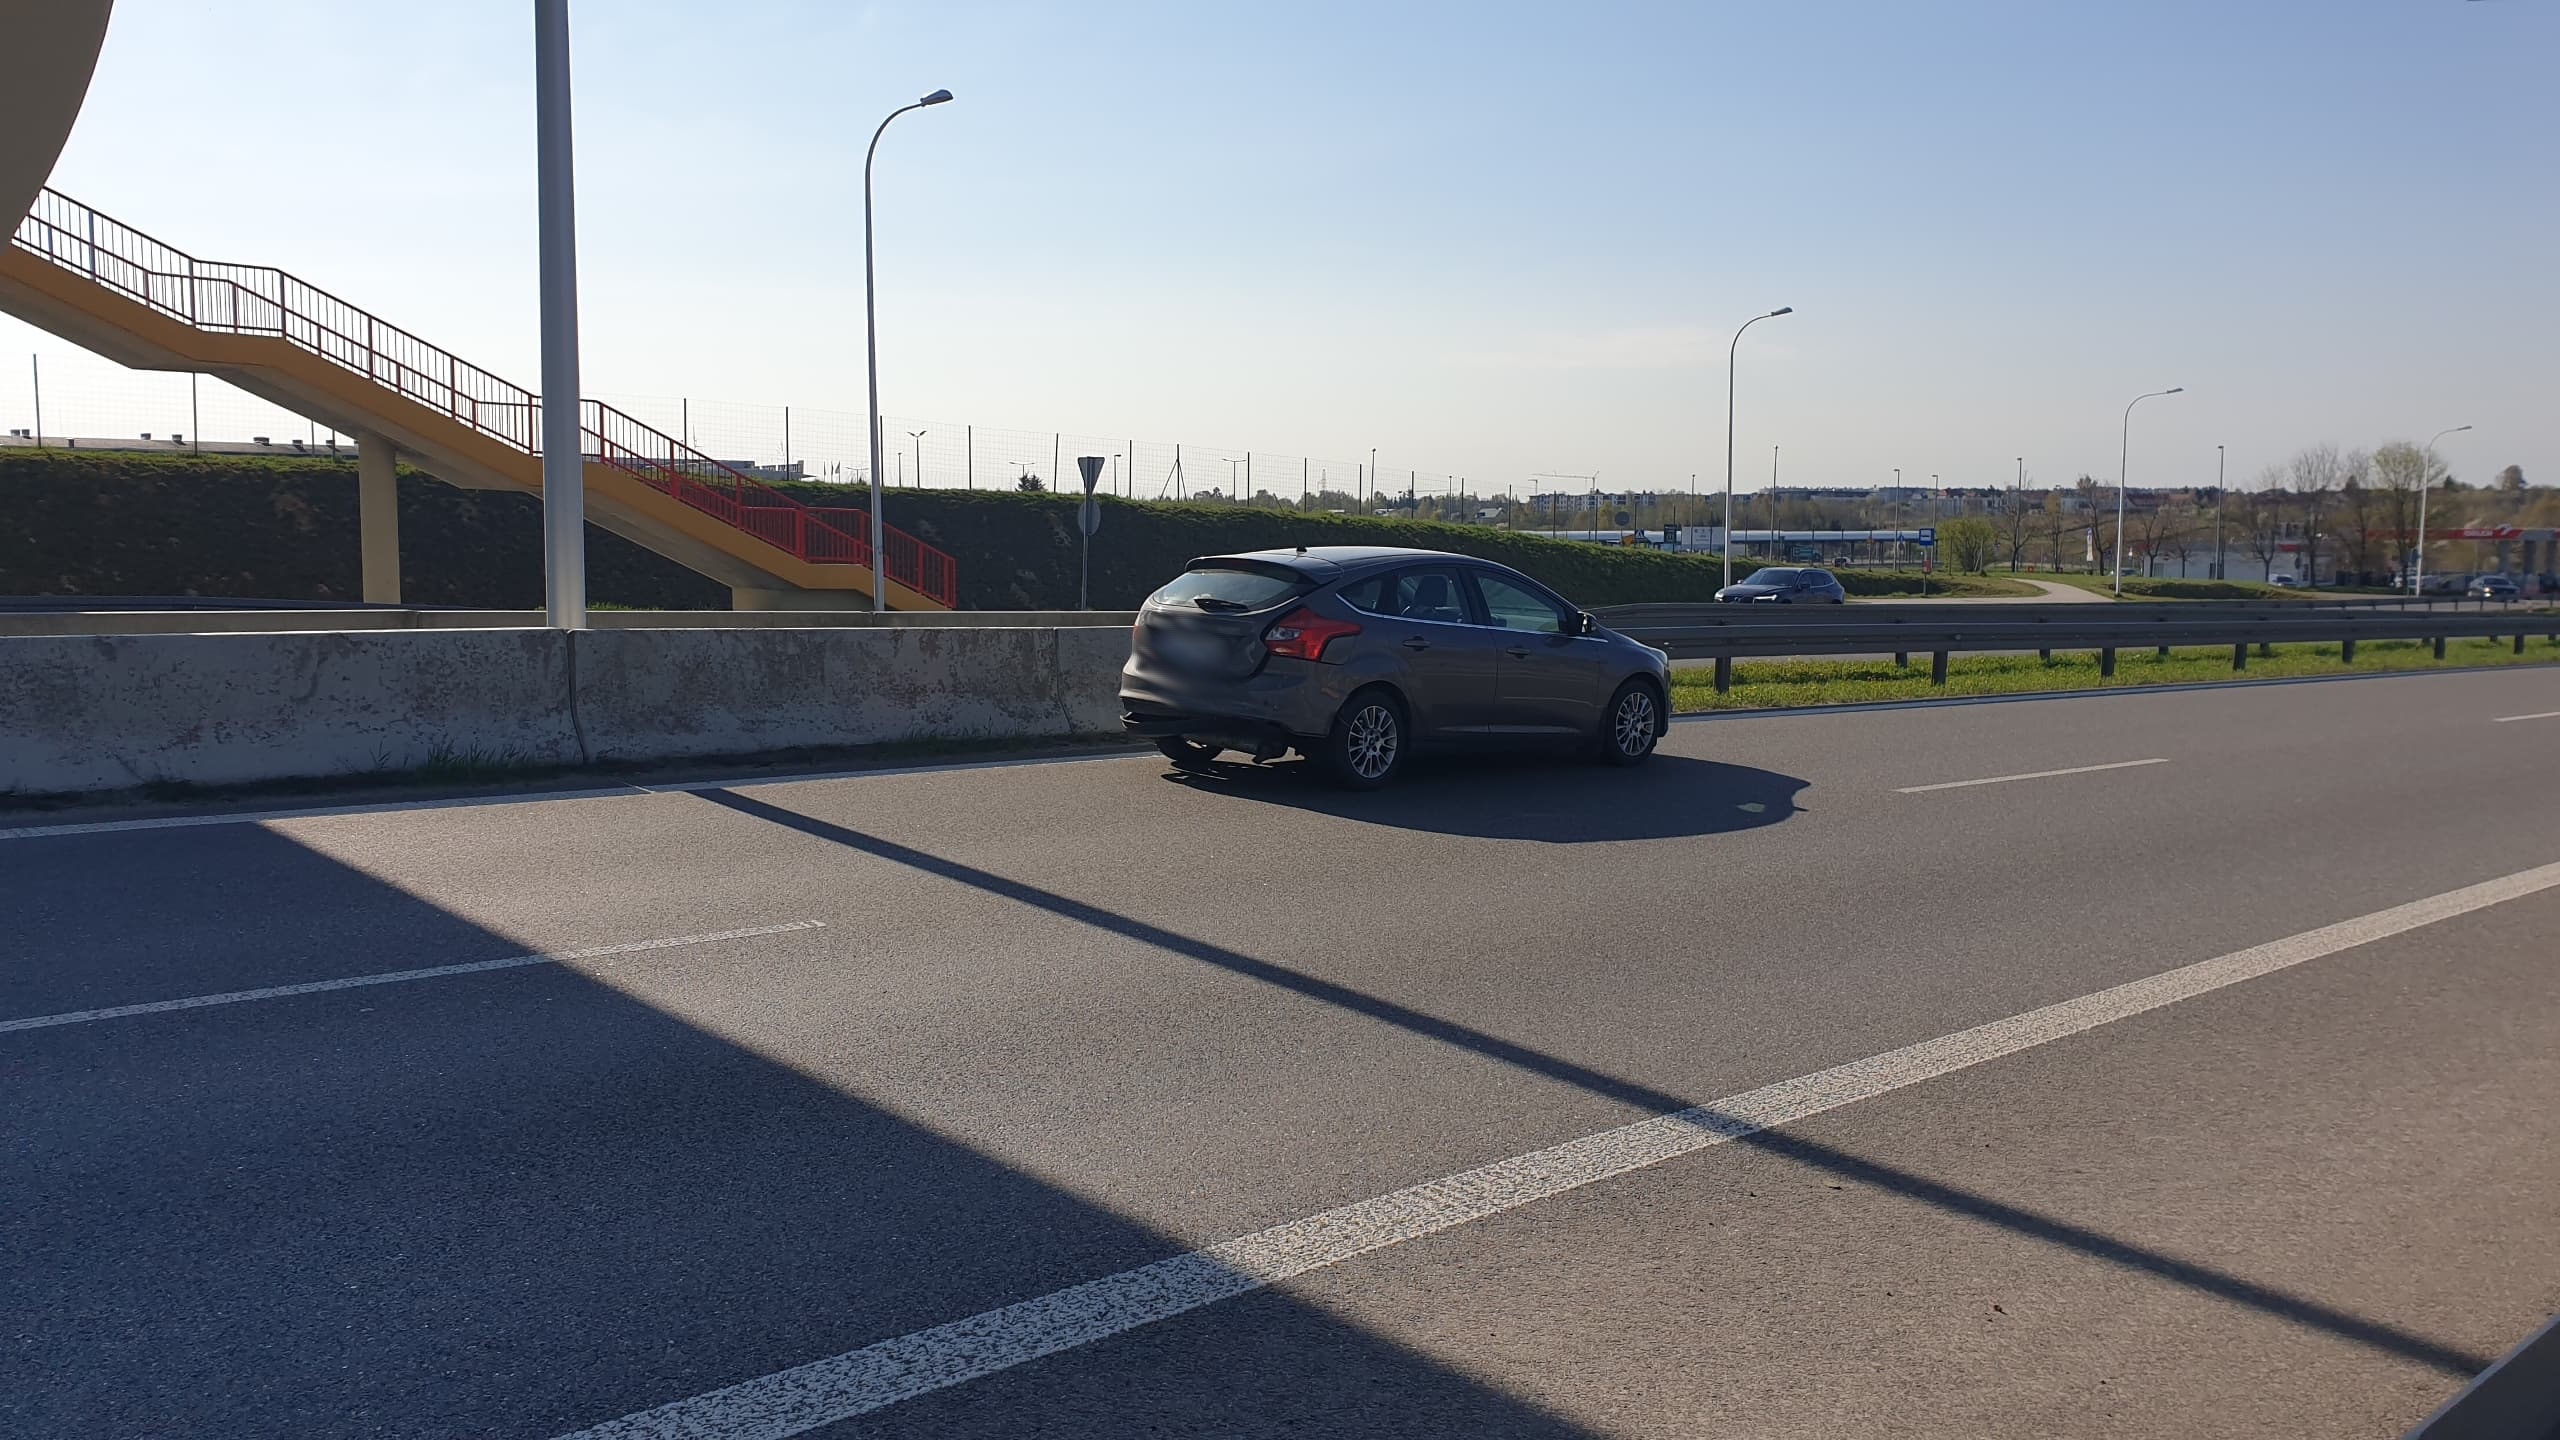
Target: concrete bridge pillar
378,517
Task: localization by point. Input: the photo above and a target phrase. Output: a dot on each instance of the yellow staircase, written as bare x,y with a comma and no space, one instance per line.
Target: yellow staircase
111,289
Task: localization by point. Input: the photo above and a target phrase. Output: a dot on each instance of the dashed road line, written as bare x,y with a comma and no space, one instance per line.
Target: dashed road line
2538,715
399,977
2030,775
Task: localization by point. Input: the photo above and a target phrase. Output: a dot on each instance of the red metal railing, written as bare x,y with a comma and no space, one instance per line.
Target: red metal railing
261,300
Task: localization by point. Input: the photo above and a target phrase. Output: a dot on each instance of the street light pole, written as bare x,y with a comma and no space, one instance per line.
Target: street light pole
2124,457
1730,352
2426,464
871,352
2017,515
918,437
564,475
2220,461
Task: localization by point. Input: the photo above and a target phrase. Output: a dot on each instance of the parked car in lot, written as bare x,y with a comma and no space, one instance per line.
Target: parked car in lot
2492,587
1354,655
1786,585
2284,582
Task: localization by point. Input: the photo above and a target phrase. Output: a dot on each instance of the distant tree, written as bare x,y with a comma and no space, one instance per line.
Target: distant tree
2511,478
2313,475
2261,519
1029,484
2057,528
2015,522
1969,543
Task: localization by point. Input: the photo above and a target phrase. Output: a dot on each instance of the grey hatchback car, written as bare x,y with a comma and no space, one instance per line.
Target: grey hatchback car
1353,655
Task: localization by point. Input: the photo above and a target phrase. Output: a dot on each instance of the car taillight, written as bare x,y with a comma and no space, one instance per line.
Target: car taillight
1302,634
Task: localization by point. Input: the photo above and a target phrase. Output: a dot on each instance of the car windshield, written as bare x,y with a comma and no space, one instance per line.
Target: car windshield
1229,587
1773,577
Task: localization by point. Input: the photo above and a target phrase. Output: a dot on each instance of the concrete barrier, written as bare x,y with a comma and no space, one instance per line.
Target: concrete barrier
109,712
113,712
188,620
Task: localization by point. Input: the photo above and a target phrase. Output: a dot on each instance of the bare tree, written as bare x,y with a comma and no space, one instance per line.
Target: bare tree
2400,472
2156,528
2313,474
2262,519
2057,518
2017,528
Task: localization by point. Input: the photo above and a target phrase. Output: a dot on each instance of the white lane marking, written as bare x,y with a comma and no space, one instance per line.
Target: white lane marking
618,791
2030,775
857,1382
398,977
2540,715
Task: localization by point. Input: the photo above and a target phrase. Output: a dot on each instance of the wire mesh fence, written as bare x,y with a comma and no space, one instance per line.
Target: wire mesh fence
75,397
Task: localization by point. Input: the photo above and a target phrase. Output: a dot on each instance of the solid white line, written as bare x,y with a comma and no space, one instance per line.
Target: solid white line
822,1392
618,790
2542,715
398,977
2030,775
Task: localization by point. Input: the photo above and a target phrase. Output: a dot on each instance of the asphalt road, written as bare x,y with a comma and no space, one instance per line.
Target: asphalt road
1041,1031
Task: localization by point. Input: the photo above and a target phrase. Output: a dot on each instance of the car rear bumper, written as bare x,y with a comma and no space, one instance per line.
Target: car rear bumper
1286,698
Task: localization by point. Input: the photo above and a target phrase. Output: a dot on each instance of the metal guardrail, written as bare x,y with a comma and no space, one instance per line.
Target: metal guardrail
1729,632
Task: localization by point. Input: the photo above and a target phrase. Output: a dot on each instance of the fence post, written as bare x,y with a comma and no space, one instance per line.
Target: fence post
1938,667
972,442
2240,656
2107,663
1724,674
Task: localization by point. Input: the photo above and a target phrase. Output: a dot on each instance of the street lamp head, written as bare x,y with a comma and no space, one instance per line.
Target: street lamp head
1782,310
2175,390
938,97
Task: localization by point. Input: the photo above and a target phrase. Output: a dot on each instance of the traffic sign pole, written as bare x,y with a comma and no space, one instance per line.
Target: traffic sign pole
1088,520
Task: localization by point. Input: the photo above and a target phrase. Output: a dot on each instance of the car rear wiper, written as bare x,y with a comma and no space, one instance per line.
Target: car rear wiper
1212,602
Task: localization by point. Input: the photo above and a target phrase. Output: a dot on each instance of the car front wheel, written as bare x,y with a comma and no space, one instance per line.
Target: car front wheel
1633,725
1367,745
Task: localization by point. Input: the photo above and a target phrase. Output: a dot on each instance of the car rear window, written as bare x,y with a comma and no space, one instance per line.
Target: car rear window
1230,587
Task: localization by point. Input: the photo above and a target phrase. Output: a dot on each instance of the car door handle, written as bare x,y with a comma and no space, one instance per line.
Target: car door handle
1517,652
1416,642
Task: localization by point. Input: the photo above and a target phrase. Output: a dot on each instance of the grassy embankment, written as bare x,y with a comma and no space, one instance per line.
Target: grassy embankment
1793,684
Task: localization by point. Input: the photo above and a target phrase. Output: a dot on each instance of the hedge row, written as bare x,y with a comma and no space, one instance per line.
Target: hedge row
102,523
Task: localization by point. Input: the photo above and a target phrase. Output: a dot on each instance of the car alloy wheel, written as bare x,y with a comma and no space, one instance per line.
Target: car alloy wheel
1635,723
1374,739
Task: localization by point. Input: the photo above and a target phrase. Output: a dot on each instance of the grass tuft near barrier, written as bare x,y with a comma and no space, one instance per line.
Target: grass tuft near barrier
1794,684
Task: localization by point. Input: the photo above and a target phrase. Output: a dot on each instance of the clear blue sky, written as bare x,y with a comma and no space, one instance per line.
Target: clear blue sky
1492,239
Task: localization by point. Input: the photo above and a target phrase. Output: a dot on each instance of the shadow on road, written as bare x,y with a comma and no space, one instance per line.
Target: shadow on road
523,1202
2018,1220
1556,799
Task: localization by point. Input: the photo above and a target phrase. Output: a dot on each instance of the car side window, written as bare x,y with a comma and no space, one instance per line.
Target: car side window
1366,595
1511,607
1817,579
1429,594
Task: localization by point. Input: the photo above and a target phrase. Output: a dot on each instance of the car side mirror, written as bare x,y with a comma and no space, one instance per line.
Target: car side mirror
1585,623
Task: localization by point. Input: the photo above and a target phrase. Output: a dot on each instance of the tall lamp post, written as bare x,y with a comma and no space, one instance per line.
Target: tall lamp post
1730,352
564,477
871,352
918,437
2220,461
2426,465
2124,457
2017,515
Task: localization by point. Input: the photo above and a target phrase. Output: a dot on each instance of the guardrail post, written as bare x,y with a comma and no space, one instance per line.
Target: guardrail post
2439,647
2164,652
1902,658
1938,667
2519,642
1724,674
2347,652
2107,663
2045,655
2240,656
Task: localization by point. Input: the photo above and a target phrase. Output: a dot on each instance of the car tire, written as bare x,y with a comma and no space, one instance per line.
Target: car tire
1370,738
1632,725
1187,754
